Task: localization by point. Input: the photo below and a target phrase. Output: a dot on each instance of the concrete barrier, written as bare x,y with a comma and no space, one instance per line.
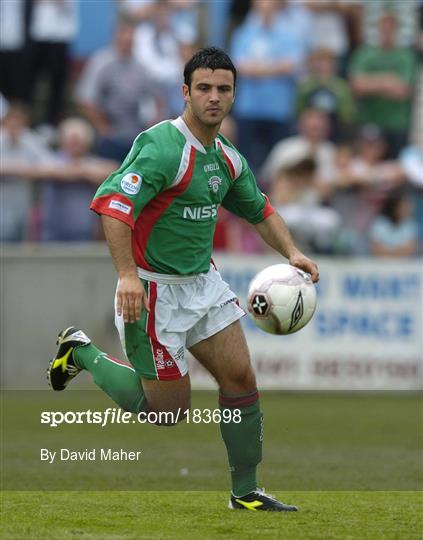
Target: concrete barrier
45,288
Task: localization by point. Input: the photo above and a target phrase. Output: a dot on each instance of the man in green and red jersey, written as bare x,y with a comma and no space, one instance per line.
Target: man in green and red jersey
159,212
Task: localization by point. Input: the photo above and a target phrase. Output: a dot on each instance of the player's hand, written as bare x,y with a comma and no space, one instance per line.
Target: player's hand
130,298
304,263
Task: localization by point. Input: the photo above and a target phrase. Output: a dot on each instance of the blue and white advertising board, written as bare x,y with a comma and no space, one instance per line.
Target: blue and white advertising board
366,334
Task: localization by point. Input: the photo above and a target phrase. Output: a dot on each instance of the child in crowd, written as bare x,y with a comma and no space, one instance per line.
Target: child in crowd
394,233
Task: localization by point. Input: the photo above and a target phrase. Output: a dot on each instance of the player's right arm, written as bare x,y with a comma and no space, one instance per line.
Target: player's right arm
130,294
119,201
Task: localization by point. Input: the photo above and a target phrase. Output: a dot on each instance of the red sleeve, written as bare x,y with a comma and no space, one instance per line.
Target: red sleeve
268,209
116,206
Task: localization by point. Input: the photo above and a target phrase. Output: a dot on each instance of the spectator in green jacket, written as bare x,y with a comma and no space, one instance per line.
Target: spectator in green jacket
382,79
323,89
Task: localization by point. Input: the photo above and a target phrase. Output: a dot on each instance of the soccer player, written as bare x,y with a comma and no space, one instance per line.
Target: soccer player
159,212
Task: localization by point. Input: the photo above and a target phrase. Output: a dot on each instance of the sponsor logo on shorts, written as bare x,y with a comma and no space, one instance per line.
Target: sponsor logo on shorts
120,206
200,212
131,183
161,363
214,183
229,301
179,356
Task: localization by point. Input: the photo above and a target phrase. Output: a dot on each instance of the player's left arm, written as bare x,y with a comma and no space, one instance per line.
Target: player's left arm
275,233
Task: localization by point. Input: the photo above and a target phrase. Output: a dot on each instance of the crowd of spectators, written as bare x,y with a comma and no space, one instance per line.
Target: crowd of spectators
328,111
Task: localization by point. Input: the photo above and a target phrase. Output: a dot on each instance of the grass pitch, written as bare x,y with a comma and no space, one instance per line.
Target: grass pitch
352,462
201,515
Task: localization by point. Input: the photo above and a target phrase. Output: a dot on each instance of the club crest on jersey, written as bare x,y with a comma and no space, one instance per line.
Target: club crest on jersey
214,183
131,183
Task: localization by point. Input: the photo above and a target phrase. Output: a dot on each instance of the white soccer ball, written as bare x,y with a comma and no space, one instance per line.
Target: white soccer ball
281,299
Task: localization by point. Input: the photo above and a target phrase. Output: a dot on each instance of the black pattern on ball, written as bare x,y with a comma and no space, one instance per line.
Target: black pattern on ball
260,305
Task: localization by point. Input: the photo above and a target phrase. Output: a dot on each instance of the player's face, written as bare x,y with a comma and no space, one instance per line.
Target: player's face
211,95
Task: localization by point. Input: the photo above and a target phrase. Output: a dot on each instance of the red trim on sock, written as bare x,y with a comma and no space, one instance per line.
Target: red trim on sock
118,361
166,367
238,401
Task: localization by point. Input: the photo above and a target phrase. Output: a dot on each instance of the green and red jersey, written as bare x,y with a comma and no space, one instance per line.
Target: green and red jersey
169,190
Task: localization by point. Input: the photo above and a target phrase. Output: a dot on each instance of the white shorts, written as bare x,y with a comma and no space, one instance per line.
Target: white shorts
184,310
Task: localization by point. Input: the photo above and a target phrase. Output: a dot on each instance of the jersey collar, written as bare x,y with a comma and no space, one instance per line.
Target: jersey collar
180,124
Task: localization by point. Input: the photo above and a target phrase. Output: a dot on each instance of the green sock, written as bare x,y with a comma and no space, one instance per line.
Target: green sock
117,378
243,440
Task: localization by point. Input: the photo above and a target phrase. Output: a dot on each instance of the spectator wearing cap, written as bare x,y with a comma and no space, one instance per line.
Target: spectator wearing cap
323,89
268,55
313,137
116,95
382,78
295,193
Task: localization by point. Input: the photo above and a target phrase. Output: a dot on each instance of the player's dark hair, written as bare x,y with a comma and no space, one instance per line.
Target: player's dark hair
208,58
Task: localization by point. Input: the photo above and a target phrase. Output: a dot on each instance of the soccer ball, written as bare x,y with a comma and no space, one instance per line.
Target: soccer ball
281,299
